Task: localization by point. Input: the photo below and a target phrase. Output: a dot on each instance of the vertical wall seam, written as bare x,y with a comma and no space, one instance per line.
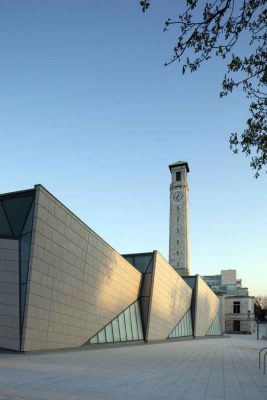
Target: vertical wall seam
155,255
28,273
195,308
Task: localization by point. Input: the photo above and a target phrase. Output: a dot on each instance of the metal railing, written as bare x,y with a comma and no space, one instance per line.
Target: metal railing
264,358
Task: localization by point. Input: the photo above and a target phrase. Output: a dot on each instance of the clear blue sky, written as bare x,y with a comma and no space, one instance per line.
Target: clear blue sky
88,110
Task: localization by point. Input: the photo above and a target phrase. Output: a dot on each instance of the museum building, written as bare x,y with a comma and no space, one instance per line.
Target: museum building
63,286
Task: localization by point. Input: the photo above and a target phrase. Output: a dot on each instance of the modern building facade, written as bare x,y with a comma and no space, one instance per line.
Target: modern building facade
179,218
62,285
236,306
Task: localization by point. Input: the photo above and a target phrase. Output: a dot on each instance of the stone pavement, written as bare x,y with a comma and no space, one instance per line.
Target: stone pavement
208,369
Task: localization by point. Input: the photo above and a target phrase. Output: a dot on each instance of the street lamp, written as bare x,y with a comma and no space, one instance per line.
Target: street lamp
258,325
249,323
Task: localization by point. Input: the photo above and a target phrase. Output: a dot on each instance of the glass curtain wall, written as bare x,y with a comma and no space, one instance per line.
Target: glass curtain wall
126,327
16,219
184,326
144,263
215,327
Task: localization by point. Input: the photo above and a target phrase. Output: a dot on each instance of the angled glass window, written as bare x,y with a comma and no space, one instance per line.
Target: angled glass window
94,340
130,259
109,333
215,327
142,262
116,330
190,280
134,322
102,336
17,209
127,326
28,224
4,225
122,327
184,326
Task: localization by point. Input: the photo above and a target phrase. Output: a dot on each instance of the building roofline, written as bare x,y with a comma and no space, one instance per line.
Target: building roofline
179,164
40,186
147,253
17,193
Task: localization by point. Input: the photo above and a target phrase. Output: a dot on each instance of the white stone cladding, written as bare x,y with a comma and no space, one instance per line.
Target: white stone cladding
206,308
179,217
170,299
77,283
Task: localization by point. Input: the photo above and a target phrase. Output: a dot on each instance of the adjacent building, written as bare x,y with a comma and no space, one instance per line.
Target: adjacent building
236,306
226,283
63,286
239,314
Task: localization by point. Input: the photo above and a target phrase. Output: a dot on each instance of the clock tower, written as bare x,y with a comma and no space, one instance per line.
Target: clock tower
179,229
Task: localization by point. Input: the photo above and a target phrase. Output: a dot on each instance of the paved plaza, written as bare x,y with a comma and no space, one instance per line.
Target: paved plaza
210,369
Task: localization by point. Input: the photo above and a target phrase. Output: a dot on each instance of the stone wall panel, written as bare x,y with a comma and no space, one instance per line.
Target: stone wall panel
77,282
170,299
207,307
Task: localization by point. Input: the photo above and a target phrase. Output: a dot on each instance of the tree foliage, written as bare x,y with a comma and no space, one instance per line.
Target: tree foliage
260,307
261,302
221,25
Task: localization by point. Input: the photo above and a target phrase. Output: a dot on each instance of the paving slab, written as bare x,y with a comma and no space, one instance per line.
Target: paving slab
207,369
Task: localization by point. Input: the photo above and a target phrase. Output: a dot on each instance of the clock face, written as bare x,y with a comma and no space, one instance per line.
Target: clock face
177,196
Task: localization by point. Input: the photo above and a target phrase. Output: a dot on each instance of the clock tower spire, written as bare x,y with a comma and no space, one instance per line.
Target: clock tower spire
179,229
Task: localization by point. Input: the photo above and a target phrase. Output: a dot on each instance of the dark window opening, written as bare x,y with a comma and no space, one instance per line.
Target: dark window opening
236,307
178,176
